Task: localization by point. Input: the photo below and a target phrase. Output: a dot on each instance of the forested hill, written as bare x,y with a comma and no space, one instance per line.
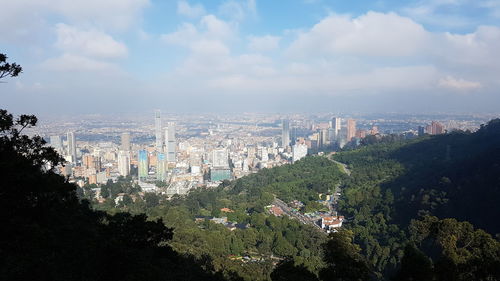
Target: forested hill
455,175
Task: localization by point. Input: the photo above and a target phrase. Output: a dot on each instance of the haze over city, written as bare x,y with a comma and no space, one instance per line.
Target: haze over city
135,56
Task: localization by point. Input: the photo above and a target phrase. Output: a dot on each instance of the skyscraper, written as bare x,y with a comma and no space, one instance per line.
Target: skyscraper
323,140
285,133
170,142
421,131
299,151
161,167
436,128
158,135
124,163
125,142
71,146
56,143
351,129
220,158
336,127
143,164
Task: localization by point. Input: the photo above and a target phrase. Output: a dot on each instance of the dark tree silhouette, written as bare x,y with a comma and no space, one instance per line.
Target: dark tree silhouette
8,69
286,270
343,259
49,234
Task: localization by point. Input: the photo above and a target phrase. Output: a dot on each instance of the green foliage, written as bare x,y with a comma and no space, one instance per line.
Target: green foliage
393,181
343,259
286,270
459,251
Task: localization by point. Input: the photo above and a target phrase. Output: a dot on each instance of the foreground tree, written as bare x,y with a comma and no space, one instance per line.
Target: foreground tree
8,69
49,234
343,259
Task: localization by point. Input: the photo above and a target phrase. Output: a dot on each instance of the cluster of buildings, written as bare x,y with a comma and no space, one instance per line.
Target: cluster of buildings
179,158
327,135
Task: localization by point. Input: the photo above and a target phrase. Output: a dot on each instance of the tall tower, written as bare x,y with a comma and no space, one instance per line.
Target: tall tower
56,143
351,129
125,142
336,127
170,142
158,136
143,164
285,133
71,146
161,167
124,163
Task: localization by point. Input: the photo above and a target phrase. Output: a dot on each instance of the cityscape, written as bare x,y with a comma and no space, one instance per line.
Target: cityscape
169,155
250,140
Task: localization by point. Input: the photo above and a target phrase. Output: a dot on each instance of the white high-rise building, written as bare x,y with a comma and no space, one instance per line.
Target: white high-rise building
56,143
71,146
158,135
285,133
124,163
125,142
262,153
170,143
299,151
220,158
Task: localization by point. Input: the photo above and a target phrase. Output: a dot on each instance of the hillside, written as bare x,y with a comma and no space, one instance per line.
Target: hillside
455,175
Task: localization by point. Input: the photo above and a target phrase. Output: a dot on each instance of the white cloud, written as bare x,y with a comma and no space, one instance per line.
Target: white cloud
185,35
88,42
23,19
375,53
453,83
263,43
190,11
238,10
75,63
372,34
216,28
116,14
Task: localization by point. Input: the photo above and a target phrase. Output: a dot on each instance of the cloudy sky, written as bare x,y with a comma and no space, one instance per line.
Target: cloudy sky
98,56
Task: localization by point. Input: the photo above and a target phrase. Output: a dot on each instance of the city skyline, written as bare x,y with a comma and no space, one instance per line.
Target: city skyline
230,56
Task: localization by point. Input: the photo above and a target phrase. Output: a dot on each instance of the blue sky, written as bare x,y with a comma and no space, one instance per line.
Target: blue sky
252,55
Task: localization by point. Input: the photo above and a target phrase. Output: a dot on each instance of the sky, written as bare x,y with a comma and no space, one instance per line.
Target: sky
280,56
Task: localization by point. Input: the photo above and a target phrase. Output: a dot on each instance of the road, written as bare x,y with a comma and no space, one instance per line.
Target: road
294,214
344,166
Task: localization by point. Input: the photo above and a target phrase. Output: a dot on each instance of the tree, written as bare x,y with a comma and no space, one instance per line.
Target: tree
53,235
343,259
152,200
286,270
415,266
8,69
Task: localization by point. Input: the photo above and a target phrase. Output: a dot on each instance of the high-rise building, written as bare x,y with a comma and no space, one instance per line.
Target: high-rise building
158,135
71,146
170,142
351,129
125,142
436,128
323,140
299,151
56,143
124,163
263,154
143,164
161,167
220,158
335,124
88,161
421,131
285,133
